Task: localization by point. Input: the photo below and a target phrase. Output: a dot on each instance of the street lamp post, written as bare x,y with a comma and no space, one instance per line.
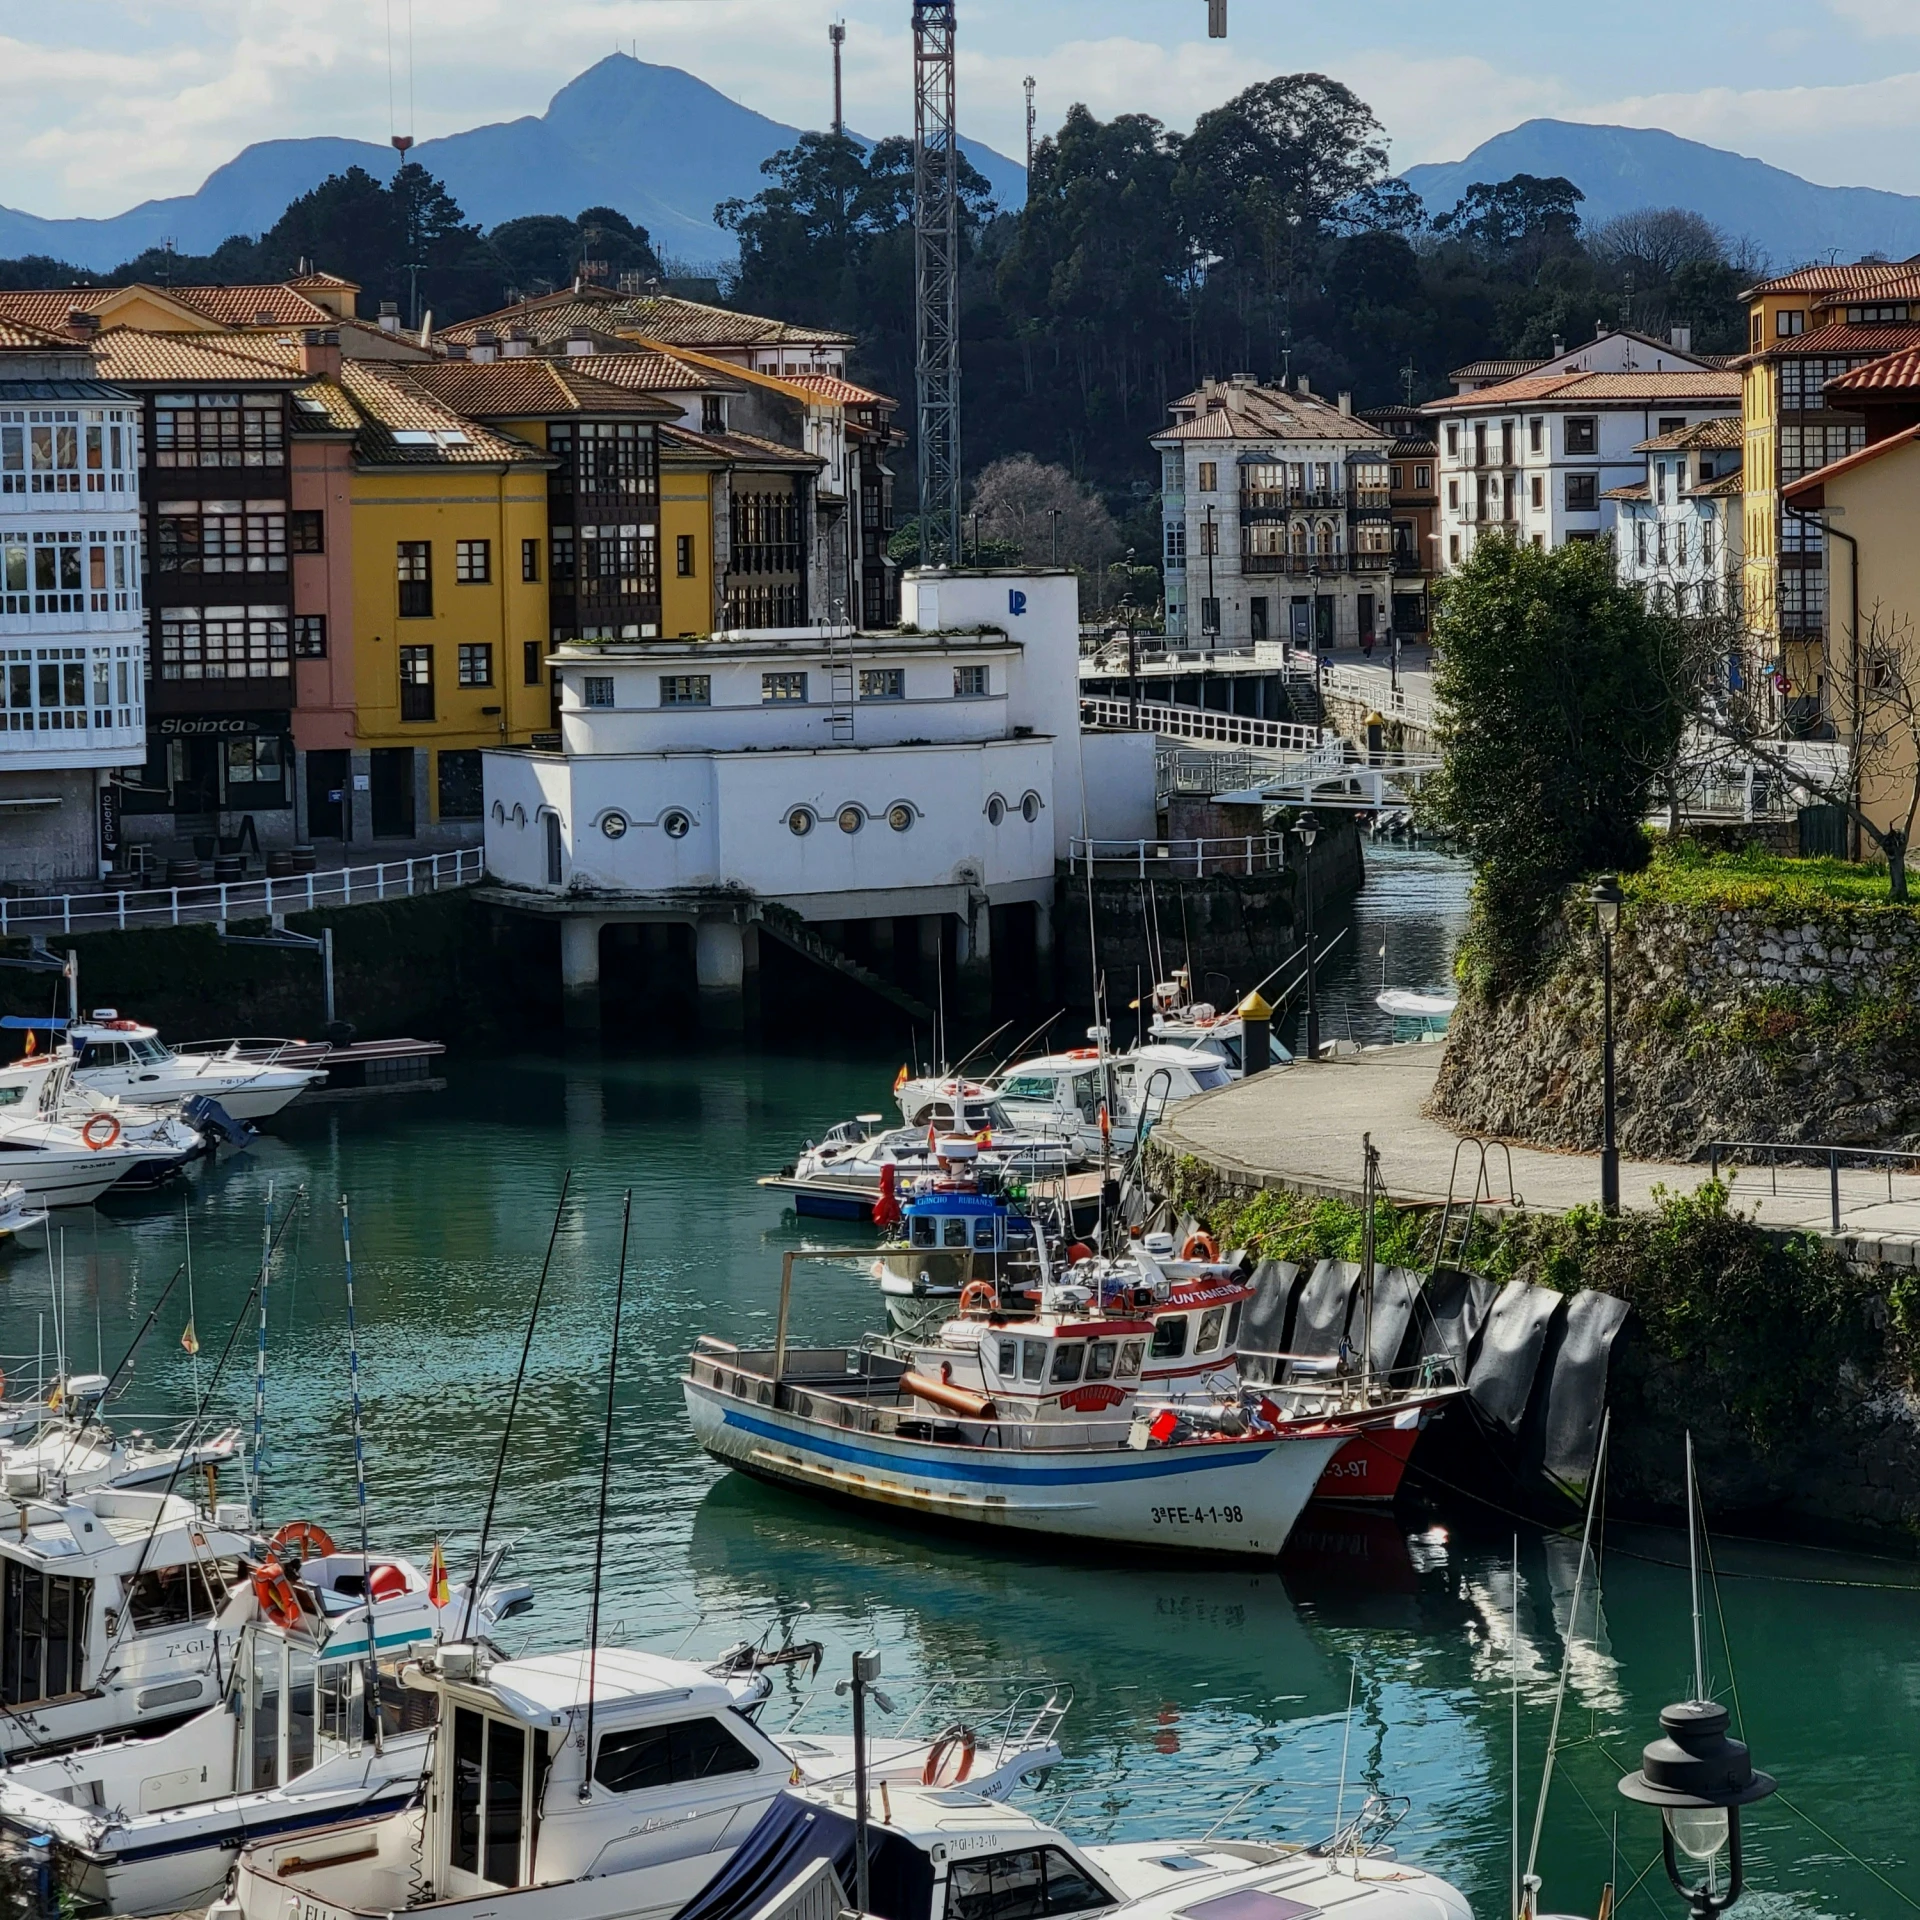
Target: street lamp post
1607,899
1308,828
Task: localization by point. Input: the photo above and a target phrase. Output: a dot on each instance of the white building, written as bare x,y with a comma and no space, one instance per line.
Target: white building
72,705
934,770
1679,532
1536,457
1277,518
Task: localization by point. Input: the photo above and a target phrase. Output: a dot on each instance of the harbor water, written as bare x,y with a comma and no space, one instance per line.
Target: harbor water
1389,1654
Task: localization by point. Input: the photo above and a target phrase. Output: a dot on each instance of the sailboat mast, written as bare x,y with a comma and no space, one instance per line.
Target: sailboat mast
1366,1271
600,1519
360,1470
254,1501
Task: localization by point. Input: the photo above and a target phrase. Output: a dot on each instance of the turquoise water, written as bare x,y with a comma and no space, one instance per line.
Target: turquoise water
1193,1686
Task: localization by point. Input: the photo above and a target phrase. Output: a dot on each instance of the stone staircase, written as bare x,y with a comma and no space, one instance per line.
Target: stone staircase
790,930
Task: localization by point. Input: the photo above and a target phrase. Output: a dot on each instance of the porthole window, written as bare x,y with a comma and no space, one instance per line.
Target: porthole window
613,825
800,822
1030,807
851,819
996,811
676,825
900,816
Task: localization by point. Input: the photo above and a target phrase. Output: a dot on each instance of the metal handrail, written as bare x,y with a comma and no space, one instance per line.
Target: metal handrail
1833,1156
1238,853
198,903
1198,723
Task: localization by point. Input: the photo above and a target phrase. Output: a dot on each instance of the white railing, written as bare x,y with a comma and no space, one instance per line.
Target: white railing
1373,687
1186,859
198,903
1179,768
1198,723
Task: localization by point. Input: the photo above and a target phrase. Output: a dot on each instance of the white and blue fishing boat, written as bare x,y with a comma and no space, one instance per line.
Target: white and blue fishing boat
1035,1424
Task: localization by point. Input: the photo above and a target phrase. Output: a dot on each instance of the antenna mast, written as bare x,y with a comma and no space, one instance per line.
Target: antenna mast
936,260
837,33
1028,84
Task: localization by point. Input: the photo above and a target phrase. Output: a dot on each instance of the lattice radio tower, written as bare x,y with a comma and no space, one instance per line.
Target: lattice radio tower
936,259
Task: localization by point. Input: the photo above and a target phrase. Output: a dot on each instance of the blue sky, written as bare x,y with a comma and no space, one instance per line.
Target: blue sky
122,100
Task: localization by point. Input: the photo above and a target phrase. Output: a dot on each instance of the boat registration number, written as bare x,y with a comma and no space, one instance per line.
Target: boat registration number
1196,1516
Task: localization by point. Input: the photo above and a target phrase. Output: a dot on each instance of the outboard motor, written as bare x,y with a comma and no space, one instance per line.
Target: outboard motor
201,1110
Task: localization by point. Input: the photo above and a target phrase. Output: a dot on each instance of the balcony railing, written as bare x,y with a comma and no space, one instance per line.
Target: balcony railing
1187,859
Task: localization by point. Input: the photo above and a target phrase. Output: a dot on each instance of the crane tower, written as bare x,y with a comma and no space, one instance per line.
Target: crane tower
936,259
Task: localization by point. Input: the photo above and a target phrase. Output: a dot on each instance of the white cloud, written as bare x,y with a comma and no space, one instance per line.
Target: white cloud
1881,18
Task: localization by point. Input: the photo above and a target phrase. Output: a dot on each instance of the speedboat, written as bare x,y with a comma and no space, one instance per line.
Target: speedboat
57,1165
315,1726
1418,1016
16,1214
72,1449
120,1056
586,1784
637,1839
167,1139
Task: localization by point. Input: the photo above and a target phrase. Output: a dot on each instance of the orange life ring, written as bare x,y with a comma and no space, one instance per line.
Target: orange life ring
106,1139
312,1540
1083,1053
1200,1246
274,1591
951,1759
978,1292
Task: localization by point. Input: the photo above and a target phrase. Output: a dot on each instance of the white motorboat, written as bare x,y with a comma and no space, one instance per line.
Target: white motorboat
66,1448
152,1825
46,1085
57,1165
935,1852
17,1215
1418,1016
119,1056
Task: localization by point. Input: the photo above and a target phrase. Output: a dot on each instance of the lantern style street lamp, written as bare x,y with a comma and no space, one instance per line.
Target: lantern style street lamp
1607,901
1308,828
1699,1779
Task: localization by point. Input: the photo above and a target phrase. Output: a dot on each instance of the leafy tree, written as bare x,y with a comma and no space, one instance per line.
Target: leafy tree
1562,699
542,251
1507,215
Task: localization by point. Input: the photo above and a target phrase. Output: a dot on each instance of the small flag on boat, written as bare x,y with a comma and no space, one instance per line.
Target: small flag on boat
900,1079
437,1578
189,1339
33,1045
58,1394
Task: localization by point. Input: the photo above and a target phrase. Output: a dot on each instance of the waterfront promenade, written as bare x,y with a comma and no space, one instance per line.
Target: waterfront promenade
1299,1128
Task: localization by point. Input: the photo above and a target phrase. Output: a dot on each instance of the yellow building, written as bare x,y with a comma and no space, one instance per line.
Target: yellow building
692,475
1805,329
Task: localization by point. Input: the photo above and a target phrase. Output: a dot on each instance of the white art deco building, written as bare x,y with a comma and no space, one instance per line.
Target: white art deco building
72,648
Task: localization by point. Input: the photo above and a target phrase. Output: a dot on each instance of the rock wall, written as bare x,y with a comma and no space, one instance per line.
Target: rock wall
1730,1024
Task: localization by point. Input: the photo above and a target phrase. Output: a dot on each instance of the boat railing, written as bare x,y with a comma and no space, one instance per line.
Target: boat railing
1325,1372
1006,1718
1292,1815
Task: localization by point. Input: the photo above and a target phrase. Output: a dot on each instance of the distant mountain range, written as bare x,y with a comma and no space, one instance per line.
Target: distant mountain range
659,145
1620,168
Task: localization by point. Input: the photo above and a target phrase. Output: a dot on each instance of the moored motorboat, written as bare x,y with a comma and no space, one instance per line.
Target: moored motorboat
17,1214
115,1055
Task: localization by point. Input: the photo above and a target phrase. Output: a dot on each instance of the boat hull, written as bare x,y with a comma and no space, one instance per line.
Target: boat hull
1237,1499
1370,1466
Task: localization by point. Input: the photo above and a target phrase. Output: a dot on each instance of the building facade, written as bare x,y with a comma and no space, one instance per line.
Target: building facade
1412,491
72,646
1277,518
1678,531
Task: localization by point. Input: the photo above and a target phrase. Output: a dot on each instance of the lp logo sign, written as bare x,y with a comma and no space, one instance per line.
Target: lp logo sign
1016,601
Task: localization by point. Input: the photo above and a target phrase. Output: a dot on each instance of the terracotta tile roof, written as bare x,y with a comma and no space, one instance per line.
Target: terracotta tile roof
589,310
402,424
1895,373
1815,482
1415,449
355,335
1637,492
319,279
1863,276
322,406
239,306
18,334
1839,339
1729,486
1729,431
1708,386
528,388
1491,370
135,354
744,449
831,387
805,388
652,372
1233,410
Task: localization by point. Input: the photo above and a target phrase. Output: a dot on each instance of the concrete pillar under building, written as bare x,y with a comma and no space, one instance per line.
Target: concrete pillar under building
880,934
931,942
360,797
580,969
719,965
973,958
1043,949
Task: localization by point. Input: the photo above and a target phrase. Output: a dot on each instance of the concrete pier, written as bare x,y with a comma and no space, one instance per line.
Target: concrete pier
580,969
719,958
973,959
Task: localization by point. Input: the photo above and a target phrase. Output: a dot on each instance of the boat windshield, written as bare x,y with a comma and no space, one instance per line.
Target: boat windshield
1027,1086
149,1052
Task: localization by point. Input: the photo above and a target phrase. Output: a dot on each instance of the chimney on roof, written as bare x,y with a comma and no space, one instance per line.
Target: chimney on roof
486,346
516,345
1600,329
320,352
579,346
1346,403
1682,338
1559,346
455,349
82,323
265,317
1301,386
389,316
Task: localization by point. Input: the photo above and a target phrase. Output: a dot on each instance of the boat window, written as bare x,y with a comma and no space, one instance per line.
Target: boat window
669,1756
12,1096
1067,1355
1170,1336
1009,1359
341,1712
300,1711
1130,1359
405,1709
983,1233
148,1052
955,1231
263,1707
173,1596
1100,1360
104,1053
979,1119
925,1230
43,1635
469,1743
1233,1324
490,1796
1086,1094
1033,1360
1028,1086
1210,1324
1021,1886
1207,1078
506,1763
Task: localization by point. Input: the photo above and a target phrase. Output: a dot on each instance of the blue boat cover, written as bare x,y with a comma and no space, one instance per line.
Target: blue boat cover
790,1836
18,1020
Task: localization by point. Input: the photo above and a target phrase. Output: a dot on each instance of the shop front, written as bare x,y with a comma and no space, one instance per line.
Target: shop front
221,781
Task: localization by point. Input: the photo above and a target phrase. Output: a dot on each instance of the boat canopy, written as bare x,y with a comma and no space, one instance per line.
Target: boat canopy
791,1835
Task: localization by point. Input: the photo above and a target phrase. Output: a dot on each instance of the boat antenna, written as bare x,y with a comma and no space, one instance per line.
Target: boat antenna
193,1352
1693,1573
1186,939
600,1518
981,1046
254,1500
1024,1044
360,1474
1529,1881
1346,1741
153,1313
940,1002
513,1402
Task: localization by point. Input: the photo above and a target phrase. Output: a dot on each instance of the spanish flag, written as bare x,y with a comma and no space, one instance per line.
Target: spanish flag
33,1046
58,1394
189,1339
899,1079
437,1590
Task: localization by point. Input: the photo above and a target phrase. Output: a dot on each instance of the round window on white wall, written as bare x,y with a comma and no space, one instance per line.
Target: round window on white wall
1029,807
800,822
613,825
996,810
851,819
900,816
675,824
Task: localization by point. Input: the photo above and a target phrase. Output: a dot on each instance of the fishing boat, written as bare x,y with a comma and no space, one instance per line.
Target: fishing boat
932,1852
1062,1439
578,1784
65,1447
314,1726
